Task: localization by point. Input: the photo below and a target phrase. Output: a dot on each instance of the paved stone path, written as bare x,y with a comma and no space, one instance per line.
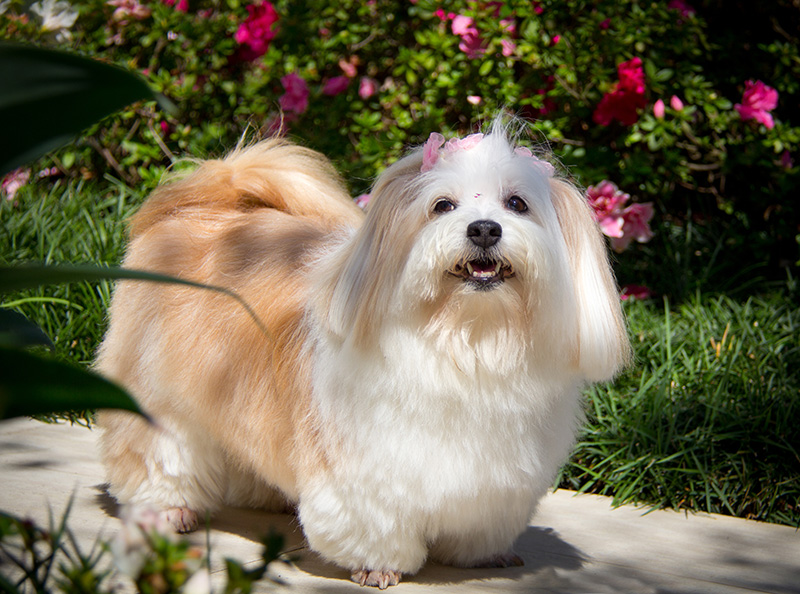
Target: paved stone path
574,544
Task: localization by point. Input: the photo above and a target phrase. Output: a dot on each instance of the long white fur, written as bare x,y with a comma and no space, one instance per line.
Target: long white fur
404,413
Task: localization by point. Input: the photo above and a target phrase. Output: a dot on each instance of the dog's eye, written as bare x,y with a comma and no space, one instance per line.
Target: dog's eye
443,205
516,204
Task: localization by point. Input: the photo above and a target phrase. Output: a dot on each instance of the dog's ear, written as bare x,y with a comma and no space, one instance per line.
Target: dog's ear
603,346
354,293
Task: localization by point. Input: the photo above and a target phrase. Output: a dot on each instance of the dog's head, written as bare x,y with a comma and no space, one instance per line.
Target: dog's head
476,242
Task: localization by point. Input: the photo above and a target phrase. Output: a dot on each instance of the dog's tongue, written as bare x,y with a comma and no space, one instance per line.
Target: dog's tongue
482,267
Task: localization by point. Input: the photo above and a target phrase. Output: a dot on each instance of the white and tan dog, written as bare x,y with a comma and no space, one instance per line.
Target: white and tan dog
419,382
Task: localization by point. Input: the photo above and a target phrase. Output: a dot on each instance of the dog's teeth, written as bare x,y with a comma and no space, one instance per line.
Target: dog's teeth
470,269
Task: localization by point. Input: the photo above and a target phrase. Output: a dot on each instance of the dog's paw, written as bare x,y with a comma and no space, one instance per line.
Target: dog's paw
182,519
381,579
498,561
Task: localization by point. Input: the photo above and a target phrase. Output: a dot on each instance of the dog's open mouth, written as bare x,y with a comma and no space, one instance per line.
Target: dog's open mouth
483,274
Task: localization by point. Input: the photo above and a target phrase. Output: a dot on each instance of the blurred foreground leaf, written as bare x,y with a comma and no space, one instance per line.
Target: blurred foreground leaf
32,385
49,97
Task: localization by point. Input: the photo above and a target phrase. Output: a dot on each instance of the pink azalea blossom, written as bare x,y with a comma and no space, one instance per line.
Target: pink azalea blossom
757,101
471,42
257,31
507,47
443,16
367,87
682,7
349,67
676,103
462,25
636,225
605,24
295,99
128,9
14,180
786,160
474,99
608,202
335,86
627,97
181,6
658,109
635,292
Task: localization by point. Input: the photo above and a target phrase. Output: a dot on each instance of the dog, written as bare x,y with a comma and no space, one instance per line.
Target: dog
416,382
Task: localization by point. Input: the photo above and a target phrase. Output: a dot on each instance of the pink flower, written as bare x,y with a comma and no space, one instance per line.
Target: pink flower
462,25
757,101
349,67
608,202
555,39
786,160
636,225
471,42
182,5
463,144
443,16
658,109
257,31
14,180
335,86
676,103
474,99
605,24
635,292
430,151
534,161
508,47
367,87
682,7
295,99
125,9
362,201
631,76
627,97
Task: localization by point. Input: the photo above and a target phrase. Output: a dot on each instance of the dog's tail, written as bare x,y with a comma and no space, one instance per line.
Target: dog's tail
273,173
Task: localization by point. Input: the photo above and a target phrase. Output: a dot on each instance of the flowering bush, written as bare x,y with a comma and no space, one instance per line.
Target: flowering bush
695,120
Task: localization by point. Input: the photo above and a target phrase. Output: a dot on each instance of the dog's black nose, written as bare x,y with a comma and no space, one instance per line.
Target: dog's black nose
484,233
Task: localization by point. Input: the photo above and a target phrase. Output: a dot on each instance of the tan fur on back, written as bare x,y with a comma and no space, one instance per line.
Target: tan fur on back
271,203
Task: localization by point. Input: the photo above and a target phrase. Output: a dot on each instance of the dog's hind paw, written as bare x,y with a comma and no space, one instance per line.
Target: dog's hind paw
381,579
182,519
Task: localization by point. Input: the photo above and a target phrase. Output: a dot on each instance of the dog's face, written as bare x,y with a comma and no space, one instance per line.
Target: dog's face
475,239
486,225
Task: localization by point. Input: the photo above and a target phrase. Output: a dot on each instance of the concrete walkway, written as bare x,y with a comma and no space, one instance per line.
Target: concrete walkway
575,543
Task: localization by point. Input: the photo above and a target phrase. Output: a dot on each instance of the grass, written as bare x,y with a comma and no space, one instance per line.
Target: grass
706,419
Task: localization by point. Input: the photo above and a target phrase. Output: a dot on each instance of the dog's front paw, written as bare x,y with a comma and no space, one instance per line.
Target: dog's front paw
498,561
381,579
182,519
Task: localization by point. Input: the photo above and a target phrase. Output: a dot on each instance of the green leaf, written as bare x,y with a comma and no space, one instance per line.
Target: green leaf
16,331
32,385
30,276
48,97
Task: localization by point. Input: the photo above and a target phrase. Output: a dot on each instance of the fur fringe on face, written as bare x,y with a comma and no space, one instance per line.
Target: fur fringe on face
419,382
